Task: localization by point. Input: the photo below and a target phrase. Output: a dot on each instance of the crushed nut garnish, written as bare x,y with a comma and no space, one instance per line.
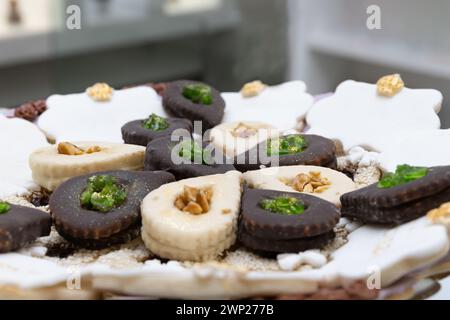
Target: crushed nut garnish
243,130
100,92
194,200
252,89
70,149
390,85
311,182
226,211
440,215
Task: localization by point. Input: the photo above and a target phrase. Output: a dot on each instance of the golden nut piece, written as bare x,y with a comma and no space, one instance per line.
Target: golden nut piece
311,182
194,201
100,92
390,85
243,131
252,89
440,215
70,149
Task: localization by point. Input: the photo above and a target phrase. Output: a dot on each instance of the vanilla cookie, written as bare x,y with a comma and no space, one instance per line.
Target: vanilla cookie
55,164
280,106
423,148
193,219
237,137
371,116
97,114
18,139
321,182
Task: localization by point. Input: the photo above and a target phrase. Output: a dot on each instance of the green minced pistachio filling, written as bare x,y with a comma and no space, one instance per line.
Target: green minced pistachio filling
191,150
283,205
403,174
155,123
291,144
4,207
103,193
198,93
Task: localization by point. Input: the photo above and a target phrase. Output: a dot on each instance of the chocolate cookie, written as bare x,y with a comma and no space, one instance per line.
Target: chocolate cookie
185,159
195,101
271,247
289,150
21,225
399,203
275,221
141,132
101,209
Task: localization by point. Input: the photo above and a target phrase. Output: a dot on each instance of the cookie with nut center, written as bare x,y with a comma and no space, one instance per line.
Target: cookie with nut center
55,164
192,219
321,182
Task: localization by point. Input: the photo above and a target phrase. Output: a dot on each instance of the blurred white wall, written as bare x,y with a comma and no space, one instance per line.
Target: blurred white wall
330,42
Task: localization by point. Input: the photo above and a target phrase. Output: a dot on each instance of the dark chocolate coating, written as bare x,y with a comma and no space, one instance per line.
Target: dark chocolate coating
401,203
266,246
158,156
75,222
437,180
319,152
21,225
397,214
124,236
177,105
319,217
134,133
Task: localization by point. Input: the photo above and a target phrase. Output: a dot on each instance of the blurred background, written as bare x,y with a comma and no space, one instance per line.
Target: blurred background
223,42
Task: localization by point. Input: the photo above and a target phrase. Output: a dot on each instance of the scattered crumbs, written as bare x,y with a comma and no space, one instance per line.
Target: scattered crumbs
246,260
365,176
226,211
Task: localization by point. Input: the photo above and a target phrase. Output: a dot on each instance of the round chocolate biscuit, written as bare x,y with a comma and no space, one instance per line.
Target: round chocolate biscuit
269,247
400,203
319,216
134,132
320,152
123,236
75,222
158,156
21,225
436,181
177,105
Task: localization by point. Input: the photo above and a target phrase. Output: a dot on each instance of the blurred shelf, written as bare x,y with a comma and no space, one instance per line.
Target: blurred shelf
381,52
24,46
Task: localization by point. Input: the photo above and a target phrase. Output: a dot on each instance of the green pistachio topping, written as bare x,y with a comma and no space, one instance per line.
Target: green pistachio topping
290,144
191,150
403,174
155,123
198,93
4,207
283,205
103,193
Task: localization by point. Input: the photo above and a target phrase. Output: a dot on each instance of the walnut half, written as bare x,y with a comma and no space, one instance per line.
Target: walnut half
194,201
311,182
